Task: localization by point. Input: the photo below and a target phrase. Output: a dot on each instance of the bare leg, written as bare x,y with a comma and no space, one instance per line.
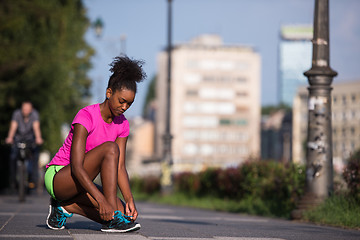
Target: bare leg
102,159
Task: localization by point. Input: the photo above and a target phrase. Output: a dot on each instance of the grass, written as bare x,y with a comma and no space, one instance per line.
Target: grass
338,210
249,206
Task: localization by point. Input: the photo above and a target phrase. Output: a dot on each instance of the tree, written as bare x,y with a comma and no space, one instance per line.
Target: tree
267,110
43,58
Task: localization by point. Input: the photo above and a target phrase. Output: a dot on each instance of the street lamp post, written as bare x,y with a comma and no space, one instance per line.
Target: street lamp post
166,178
319,167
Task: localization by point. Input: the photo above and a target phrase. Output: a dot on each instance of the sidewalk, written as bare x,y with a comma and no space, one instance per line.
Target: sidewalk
27,221
159,222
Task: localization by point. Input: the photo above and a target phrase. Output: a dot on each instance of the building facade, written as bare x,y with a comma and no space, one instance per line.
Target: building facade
295,54
345,122
215,104
140,149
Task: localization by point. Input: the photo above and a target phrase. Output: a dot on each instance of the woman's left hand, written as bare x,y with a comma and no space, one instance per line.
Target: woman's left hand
131,209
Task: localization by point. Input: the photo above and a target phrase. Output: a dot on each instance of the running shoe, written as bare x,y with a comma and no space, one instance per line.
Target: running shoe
121,223
56,219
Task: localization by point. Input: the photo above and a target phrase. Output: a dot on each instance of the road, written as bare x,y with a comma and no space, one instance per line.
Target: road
159,222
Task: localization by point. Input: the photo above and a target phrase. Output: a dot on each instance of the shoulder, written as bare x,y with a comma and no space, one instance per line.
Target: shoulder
16,115
88,110
86,117
35,115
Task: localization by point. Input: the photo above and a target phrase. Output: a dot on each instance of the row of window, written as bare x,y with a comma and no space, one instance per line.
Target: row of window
222,65
339,116
346,115
345,99
218,94
208,107
233,122
216,136
212,122
224,79
342,146
194,78
214,149
351,131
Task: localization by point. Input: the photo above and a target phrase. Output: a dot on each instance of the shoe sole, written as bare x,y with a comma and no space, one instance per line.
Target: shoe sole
135,228
47,221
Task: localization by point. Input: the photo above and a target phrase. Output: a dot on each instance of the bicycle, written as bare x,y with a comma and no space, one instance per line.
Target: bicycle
22,163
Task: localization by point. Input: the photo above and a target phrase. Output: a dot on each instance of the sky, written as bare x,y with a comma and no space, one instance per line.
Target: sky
255,23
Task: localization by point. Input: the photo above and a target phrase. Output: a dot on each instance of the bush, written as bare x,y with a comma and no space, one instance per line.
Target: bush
229,183
148,185
278,186
208,182
187,182
351,175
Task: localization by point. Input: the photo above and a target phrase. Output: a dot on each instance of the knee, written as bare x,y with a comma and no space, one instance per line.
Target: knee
111,150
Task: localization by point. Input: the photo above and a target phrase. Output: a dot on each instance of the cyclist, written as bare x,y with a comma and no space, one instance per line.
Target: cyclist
25,127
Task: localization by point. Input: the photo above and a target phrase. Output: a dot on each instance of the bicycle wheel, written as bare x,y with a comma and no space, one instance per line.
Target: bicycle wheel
22,174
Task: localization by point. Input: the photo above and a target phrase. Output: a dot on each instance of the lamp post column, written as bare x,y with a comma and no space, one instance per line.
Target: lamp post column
166,178
319,167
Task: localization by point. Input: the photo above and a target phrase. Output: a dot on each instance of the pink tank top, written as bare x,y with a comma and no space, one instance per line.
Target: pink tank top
98,132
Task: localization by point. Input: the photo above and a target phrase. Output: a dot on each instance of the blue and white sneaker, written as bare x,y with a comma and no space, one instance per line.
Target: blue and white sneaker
56,219
121,223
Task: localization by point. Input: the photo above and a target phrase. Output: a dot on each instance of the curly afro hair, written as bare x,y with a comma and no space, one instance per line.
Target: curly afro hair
126,73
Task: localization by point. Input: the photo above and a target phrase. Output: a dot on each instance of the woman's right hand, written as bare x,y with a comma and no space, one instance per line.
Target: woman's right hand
105,210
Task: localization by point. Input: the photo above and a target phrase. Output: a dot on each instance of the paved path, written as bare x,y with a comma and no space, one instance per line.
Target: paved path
27,221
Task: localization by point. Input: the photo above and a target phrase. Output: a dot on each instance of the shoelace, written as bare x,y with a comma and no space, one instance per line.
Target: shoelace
120,218
61,216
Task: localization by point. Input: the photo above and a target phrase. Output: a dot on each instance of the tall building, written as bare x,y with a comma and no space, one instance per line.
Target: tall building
295,54
345,122
215,104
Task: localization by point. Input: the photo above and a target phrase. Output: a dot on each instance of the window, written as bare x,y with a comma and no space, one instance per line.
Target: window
238,122
190,79
240,79
208,79
241,94
241,122
190,149
352,145
344,99
191,93
203,122
353,98
352,131
225,121
192,64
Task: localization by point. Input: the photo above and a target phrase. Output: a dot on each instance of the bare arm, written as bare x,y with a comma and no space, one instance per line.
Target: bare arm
123,180
12,131
79,172
37,132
